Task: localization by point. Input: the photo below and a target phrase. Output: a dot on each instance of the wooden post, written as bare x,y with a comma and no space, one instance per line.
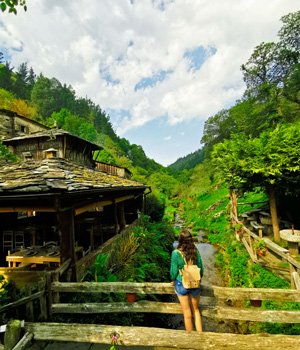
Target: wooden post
121,216
116,217
43,301
67,238
29,305
274,217
292,270
12,334
234,204
49,294
55,295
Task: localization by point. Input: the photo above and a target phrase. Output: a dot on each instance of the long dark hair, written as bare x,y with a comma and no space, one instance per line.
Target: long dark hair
187,246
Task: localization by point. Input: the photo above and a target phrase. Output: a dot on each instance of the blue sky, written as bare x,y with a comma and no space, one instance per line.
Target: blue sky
160,68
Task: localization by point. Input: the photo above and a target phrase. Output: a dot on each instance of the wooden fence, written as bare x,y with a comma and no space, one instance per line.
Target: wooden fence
249,238
216,302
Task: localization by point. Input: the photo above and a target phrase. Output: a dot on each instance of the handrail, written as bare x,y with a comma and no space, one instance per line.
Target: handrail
294,264
167,288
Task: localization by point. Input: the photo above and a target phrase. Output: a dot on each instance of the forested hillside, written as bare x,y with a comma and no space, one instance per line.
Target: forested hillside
55,104
190,161
255,144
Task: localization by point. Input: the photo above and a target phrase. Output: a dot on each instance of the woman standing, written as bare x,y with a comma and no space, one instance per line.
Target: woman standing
188,298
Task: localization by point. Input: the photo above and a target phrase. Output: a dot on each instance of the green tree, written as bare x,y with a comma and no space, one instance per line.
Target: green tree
6,155
270,161
11,5
289,32
6,72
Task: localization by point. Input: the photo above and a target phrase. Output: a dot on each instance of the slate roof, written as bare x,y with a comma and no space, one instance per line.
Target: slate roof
57,174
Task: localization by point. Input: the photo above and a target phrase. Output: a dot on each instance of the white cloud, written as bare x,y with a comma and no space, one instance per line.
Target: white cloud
75,41
167,138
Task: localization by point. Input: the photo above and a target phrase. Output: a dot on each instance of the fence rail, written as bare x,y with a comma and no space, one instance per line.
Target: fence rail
216,305
248,238
158,337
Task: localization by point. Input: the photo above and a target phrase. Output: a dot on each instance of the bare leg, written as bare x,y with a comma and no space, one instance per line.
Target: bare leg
187,313
196,313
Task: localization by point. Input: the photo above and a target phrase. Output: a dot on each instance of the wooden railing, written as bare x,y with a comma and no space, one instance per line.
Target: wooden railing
214,303
248,238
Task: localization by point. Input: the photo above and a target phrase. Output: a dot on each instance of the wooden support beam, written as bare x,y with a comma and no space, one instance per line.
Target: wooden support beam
12,334
99,204
22,344
223,313
121,216
167,288
22,301
27,208
249,248
157,337
296,278
256,294
66,228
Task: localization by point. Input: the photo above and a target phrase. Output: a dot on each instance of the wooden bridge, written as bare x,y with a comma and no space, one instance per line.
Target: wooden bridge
216,302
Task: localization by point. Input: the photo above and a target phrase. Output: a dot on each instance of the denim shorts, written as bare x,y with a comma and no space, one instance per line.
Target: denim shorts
181,291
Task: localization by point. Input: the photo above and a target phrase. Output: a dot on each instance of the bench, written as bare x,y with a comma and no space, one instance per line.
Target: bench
276,247
258,227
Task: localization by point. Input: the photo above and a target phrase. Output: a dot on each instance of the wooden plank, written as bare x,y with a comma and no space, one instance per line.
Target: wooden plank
248,248
255,315
63,267
121,287
12,334
118,307
158,337
167,288
25,340
22,301
296,278
100,204
257,294
275,247
285,256
32,259
27,208
228,313
23,278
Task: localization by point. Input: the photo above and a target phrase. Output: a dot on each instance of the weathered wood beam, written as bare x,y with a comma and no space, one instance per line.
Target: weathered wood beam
157,337
253,314
249,249
22,301
63,267
256,294
117,287
296,278
27,208
97,204
225,313
25,340
167,288
87,207
65,220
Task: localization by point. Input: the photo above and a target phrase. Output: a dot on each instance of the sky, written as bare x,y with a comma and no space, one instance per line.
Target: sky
159,68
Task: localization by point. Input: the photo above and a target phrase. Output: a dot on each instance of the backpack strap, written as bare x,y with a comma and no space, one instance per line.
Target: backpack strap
184,259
